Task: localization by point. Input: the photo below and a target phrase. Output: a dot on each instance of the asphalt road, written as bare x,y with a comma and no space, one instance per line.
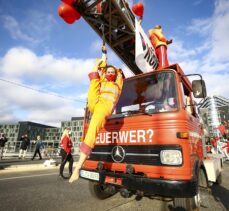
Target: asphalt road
42,190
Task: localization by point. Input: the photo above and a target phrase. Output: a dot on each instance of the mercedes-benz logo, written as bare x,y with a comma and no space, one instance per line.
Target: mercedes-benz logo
118,154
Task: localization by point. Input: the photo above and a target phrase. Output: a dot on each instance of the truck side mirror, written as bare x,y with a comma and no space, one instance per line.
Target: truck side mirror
199,89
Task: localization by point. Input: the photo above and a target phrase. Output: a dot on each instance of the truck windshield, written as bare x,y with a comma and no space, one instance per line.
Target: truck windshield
149,94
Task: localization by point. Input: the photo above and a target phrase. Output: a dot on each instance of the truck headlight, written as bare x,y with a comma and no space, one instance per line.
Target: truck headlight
171,157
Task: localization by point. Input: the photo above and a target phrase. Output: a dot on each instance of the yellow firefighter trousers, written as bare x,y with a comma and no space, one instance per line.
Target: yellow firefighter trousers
101,109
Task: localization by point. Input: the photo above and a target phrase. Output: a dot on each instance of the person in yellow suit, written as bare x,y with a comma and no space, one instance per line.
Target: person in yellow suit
159,43
104,91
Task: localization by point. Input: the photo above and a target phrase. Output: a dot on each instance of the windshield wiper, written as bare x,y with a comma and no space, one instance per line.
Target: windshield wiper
148,112
143,111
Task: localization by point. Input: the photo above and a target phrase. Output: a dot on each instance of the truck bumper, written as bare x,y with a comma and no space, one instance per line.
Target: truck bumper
160,187
167,188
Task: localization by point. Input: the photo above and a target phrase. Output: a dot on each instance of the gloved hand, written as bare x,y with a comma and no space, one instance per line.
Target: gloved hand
104,50
98,64
169,42
120,72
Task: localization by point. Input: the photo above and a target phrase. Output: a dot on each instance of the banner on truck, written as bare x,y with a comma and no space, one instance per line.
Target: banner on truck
145,56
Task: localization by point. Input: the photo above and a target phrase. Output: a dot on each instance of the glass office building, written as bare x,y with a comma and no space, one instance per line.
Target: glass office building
50,135
216,108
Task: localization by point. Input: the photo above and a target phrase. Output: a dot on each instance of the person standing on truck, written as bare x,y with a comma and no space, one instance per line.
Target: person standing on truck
159,43
66,153
104,91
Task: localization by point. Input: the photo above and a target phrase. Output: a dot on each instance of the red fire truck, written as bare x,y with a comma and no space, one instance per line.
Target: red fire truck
153,144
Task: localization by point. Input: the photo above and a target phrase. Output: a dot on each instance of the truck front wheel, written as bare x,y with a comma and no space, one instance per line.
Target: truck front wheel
101,191
202,196
219,179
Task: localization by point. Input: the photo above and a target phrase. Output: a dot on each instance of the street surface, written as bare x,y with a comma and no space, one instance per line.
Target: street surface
42,190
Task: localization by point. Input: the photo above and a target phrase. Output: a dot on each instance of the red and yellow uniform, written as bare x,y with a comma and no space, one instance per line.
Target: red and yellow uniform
159,43
102,98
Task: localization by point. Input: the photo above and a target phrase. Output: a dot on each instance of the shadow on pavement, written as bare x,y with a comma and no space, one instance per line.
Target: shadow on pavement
2,167
15,162
221,194
6,163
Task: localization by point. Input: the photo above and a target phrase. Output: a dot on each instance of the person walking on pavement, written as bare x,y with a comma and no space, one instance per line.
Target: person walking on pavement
39,145
159,43
3,140
104,91
25,142
66,153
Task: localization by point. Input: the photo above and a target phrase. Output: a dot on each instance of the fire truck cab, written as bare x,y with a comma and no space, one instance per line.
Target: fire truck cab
153,142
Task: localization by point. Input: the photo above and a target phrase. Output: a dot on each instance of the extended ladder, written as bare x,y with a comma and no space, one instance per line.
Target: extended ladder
119,26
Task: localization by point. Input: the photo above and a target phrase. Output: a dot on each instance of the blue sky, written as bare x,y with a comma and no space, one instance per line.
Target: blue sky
38,49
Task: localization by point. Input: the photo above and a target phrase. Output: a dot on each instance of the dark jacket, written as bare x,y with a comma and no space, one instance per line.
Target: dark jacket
3,140
39,145
25,142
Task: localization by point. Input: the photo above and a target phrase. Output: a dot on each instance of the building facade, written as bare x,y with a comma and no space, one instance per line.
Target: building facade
76,125
14,132
50,135
216,111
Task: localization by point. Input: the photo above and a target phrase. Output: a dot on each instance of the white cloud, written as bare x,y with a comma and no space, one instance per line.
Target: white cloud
200,26
11,24
22,66
64,113
220,32
217,84
19,103
215,31
23,63
38,24
177,51
212,57
34,27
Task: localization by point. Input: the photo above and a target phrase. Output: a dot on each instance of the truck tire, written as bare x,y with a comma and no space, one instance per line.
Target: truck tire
202,196
184,204
219,179
101,191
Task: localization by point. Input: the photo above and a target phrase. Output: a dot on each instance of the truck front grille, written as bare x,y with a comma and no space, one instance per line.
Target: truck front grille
131,154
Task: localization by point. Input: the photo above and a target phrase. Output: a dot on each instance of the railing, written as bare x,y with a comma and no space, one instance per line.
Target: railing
51,149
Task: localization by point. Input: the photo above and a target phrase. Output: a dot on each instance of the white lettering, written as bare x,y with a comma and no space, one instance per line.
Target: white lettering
132,136
141,136
122,137
114,136
102,139
150,132
108,137
98,139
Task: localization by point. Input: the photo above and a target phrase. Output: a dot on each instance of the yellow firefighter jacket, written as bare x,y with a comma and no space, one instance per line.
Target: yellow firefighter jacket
157,38
102,98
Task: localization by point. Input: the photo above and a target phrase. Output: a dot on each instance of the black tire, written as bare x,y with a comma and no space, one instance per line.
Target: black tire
101,191
219,179
184,204
200,199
